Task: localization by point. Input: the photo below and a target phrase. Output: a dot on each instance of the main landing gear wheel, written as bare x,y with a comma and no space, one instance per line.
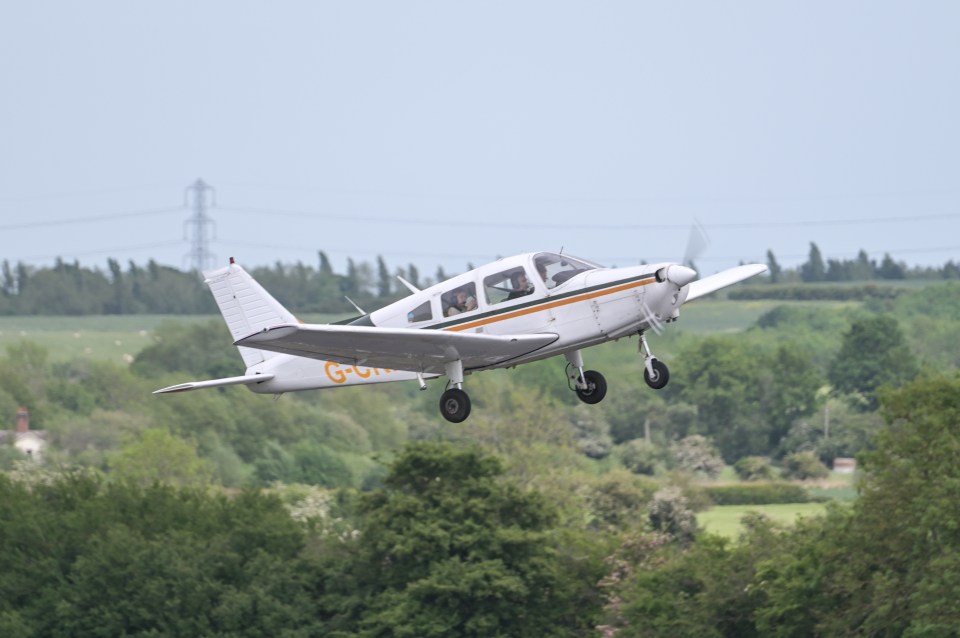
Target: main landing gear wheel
455,405
661,374
596,387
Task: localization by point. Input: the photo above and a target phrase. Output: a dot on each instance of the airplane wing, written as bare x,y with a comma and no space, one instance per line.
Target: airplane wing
409,349
723,279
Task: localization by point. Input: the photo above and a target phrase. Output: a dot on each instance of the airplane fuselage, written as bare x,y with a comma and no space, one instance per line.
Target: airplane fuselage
591,306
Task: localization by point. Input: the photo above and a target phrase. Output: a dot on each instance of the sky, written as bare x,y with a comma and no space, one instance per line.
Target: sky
448,133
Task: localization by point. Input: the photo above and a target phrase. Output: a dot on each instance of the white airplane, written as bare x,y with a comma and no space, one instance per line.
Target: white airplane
512,311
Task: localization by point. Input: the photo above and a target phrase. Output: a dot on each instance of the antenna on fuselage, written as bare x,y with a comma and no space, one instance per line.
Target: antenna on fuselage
354,304
409,285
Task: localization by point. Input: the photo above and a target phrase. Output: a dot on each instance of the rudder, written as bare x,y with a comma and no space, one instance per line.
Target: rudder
246,306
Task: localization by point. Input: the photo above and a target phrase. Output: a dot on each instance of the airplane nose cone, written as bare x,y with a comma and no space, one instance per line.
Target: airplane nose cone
680,276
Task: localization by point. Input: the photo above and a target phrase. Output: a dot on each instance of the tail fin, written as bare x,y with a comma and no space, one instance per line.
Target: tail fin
246,307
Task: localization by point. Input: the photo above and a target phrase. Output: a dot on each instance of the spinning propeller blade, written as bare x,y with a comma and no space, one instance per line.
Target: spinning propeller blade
697,242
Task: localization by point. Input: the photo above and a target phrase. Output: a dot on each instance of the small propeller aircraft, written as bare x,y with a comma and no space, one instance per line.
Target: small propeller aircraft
512,311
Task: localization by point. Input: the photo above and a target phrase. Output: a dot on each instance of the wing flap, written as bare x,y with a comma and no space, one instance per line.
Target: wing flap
723,279
395,348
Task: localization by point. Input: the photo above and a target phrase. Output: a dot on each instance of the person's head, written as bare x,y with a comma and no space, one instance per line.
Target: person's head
461,297
542,270
520,281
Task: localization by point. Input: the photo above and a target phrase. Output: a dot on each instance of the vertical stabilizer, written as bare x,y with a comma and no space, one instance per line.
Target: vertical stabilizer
246,307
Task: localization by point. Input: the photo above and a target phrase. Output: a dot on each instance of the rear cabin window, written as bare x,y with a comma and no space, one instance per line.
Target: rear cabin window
460,299
507,285
420,313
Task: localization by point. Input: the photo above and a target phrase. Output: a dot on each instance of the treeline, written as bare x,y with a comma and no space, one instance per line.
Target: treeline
459,542
72,289
817,269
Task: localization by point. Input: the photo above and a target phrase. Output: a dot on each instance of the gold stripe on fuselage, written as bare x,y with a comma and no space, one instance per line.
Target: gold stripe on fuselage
548,305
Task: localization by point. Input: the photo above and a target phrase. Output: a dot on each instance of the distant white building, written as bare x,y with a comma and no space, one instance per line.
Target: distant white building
844,465
30,442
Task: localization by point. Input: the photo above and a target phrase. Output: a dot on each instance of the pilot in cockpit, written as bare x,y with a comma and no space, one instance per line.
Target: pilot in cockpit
521,285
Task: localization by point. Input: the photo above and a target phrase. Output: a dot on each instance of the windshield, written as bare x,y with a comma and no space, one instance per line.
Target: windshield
556,269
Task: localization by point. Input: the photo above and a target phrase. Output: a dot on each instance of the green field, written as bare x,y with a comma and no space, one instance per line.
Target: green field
103,337
110,337
725,519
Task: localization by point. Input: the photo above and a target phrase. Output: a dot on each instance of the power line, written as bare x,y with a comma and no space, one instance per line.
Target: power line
90,218
102,251
739,225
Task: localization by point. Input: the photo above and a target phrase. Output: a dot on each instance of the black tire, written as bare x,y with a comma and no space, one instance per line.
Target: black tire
661,374
596,388
455,405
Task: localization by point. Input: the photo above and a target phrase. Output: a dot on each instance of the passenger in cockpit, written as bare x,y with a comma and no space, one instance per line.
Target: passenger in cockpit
463,302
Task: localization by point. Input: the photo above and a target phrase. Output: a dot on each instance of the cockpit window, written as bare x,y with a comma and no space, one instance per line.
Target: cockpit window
460,299
420,313
557,269
506,285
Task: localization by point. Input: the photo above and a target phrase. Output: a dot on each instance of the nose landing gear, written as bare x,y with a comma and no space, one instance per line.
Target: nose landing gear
655,371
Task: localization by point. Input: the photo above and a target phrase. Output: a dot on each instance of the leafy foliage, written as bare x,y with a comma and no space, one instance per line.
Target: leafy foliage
874,353
754,468
803,466
449,548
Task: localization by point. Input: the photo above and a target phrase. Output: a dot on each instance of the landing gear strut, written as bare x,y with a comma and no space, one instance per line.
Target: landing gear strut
589,385
655,371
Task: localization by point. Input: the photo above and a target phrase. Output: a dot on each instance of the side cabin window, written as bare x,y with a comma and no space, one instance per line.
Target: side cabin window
460,299
506,285
420,313
557,269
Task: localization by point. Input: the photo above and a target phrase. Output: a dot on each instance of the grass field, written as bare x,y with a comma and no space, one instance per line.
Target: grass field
111,337
725,519
103,337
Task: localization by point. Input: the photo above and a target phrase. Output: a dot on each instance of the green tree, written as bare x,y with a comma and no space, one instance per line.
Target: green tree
886,566
721,377
789,390
200,349
160,457
873,353
450,548
803,466
774,267
706,589
814,268
754,468
696,454
384,281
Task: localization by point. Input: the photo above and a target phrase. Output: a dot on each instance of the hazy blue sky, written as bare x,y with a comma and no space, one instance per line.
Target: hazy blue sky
447,132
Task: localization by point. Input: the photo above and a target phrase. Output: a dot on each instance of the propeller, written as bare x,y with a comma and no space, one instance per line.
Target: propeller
697,243
679,274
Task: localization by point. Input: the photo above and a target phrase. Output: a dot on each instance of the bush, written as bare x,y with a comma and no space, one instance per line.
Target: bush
803,466
641,457
757,494
754,468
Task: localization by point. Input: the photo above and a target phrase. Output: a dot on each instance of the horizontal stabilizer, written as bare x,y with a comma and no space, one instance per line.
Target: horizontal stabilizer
723,279
246,379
